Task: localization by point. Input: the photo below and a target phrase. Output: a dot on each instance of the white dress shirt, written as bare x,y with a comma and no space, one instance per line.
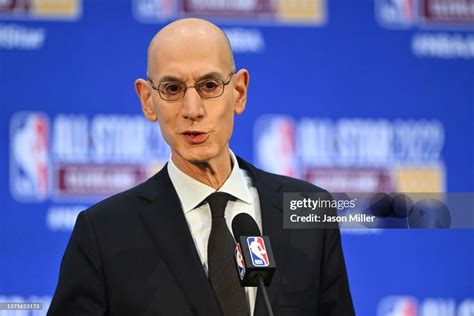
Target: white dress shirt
192,192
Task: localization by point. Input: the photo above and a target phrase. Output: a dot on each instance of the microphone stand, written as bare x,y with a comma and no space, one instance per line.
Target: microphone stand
262,288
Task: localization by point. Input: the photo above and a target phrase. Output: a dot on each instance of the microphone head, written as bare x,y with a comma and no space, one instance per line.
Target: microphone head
244,225
253,252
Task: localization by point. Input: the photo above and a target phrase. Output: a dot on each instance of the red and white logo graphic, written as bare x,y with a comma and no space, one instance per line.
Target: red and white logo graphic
29,156
240,261
395,13
258,251
397,306
275,145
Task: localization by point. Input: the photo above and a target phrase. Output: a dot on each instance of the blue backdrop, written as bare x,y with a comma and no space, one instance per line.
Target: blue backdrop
354,96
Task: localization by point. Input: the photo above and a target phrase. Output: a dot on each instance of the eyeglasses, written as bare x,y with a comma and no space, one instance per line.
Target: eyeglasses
207,88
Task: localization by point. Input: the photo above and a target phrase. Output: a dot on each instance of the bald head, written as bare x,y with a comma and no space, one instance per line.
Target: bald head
194,92
184,31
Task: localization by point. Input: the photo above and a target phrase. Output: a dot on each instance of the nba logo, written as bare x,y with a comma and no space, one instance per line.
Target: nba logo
275,144
258,251
154,10
29,161
397,306
240,261
395,13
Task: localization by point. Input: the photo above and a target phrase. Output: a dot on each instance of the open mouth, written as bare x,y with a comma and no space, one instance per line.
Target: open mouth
195,137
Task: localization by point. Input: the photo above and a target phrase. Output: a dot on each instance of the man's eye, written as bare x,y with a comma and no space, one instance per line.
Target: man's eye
210,85
171,88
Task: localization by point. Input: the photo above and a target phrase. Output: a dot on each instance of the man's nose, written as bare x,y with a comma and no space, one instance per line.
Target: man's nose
192,105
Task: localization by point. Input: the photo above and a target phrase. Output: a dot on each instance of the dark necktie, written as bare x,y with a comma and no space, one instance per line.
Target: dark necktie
221,264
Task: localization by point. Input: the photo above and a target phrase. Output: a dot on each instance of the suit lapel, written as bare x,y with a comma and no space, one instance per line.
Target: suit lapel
167,225
271,204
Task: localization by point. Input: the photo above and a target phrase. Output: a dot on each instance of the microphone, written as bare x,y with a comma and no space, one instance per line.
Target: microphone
253,255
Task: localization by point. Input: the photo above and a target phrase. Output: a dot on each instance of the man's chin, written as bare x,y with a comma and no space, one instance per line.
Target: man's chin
197,156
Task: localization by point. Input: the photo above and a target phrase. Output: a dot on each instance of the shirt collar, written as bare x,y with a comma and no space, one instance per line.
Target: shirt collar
192,192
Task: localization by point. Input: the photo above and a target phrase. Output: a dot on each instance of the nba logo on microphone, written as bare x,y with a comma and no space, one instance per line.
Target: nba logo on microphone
29,156
240,261
258,251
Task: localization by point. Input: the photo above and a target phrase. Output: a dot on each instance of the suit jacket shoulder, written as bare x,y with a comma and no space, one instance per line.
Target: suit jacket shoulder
280,182
129,201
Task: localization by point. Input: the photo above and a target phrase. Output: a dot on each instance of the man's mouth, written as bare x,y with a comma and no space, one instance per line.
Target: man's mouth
195,137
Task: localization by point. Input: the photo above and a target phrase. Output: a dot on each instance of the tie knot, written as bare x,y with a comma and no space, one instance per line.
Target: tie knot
217,202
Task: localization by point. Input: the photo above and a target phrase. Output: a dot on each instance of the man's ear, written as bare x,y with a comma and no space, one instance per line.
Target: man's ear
144,93
242,78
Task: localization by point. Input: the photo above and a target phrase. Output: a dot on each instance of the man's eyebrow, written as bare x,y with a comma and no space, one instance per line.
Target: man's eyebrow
210,75
169,78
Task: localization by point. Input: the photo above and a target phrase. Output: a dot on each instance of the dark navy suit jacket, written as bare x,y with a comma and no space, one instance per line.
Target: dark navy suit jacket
133,254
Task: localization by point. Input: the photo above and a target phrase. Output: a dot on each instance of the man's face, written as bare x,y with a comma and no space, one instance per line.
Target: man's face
197,129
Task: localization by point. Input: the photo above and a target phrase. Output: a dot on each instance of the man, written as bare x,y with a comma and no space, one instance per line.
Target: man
160,248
